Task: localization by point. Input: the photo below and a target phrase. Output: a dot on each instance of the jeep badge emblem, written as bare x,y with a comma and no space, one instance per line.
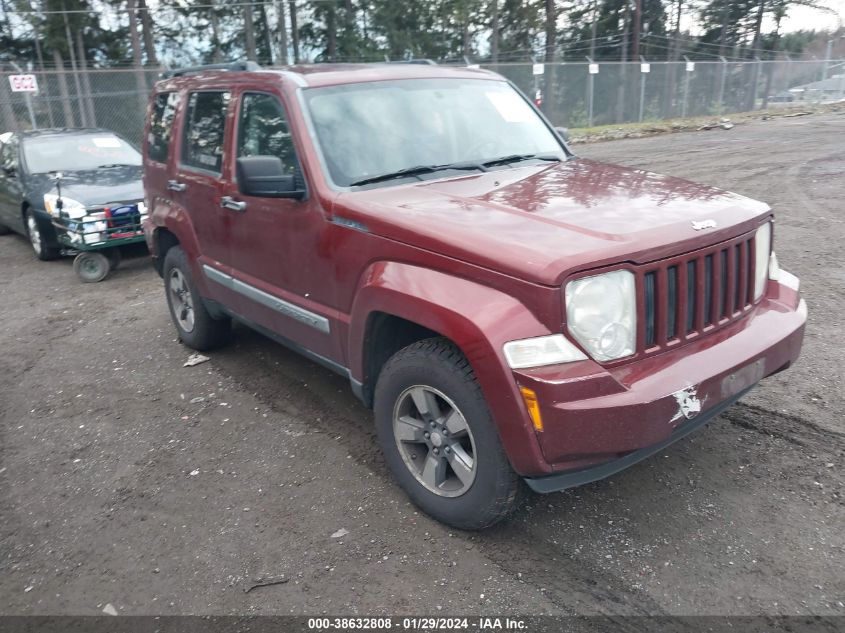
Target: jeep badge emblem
704,224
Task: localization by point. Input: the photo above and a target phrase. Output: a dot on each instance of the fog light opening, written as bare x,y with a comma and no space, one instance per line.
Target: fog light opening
533,406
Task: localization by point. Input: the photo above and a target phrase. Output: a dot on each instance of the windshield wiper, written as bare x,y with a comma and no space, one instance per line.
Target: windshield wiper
462,166
515,158
416,171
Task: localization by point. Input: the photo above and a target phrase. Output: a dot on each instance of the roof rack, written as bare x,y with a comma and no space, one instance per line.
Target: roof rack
193,70
426,62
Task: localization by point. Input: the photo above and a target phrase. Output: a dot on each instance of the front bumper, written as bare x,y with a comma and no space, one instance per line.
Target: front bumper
570,479
598,421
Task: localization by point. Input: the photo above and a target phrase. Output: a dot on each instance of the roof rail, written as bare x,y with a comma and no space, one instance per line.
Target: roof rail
193,70
427,62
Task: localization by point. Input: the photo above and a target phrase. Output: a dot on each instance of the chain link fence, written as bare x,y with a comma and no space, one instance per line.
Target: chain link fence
579,95
111,99
572,94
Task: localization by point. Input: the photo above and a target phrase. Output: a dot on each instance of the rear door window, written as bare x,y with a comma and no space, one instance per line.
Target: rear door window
205,125
161,126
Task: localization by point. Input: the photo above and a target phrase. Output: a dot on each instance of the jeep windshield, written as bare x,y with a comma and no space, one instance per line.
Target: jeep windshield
380,133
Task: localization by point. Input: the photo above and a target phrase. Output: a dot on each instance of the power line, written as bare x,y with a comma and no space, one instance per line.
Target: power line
152,9
681,50
712,45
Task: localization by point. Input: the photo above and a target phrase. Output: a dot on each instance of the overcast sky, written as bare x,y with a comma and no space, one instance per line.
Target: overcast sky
806,18
798,18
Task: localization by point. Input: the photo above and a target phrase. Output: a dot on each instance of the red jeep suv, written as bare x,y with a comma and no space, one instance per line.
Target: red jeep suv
513,314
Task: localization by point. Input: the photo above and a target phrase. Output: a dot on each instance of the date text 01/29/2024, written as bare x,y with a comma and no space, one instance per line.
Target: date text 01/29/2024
418,623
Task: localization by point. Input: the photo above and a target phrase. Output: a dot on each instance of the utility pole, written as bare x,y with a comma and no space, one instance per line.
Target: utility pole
147,32
623,73
249,32
551,31
723,32
494,34
137,64
626,30
638,21
549,91
284,60
82,114
40,55
294,31
214,19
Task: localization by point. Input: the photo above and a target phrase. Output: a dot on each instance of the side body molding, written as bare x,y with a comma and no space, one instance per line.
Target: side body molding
479,319
312,319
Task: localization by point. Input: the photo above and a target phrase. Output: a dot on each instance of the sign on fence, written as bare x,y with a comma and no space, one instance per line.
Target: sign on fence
539,69
690,67
23,83
594,69
645,67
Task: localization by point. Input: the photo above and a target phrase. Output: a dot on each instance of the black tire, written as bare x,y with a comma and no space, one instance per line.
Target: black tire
437,364
39,236
204,332
91,266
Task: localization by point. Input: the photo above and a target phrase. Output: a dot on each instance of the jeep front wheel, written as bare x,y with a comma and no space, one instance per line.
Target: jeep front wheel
439,439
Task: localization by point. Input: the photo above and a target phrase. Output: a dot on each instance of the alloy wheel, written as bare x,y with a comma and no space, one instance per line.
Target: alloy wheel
181,301
435,441
34,233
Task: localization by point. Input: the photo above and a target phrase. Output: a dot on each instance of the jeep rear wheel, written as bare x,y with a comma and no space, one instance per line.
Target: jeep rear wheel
196,327
439,439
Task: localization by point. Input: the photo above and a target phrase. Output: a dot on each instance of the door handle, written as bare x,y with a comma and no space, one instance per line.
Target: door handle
175,185
228,202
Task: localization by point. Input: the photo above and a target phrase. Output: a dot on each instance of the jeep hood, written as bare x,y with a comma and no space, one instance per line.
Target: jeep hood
540,222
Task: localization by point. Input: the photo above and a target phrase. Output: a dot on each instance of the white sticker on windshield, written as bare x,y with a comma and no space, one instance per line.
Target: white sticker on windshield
106,141
512,108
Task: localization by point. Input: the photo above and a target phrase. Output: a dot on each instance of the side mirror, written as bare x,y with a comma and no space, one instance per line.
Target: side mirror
563,133
265,177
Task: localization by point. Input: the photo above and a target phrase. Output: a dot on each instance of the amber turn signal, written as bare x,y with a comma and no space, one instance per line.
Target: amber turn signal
533,407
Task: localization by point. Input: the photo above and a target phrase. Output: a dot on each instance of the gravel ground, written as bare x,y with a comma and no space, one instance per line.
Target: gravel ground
128,479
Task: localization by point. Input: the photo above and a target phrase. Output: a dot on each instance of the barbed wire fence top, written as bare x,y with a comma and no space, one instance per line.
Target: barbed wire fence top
572,94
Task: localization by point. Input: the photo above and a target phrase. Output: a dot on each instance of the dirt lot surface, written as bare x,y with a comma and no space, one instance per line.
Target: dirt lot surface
128,479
